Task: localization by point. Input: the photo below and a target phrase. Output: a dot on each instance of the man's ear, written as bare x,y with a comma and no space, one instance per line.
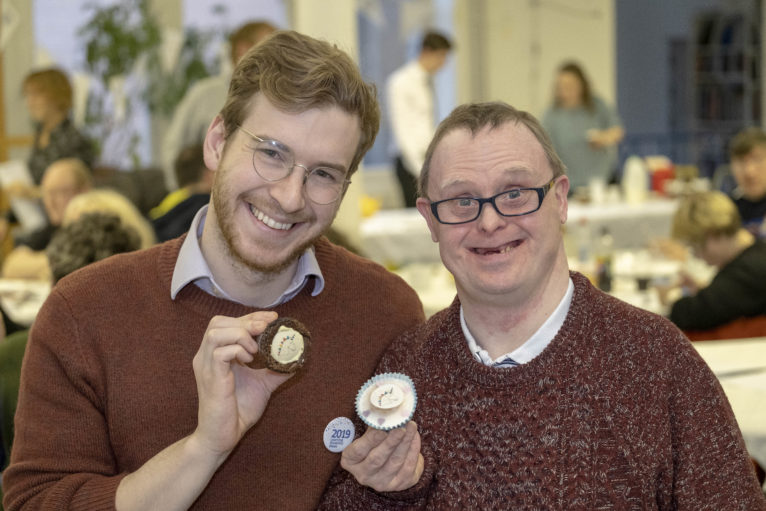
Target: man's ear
215,142
424,207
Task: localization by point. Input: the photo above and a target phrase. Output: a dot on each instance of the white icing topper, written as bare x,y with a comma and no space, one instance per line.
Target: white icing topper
386,401
387,396
287,345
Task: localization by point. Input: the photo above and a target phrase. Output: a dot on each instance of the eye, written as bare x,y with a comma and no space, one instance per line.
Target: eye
327,175
512,194
270,154
464,203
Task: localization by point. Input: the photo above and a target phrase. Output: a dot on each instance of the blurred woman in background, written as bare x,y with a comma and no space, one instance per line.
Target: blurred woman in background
584,130
48,96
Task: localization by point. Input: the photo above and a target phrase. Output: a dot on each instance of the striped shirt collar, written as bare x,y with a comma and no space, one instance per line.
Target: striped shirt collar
533,346
191,267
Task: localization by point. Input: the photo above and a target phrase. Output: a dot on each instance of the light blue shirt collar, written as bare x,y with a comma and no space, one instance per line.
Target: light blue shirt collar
191,267
534,345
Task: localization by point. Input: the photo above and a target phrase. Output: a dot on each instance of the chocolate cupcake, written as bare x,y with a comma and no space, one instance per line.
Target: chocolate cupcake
285,345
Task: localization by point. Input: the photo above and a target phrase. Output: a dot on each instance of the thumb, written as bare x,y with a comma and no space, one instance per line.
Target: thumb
272,379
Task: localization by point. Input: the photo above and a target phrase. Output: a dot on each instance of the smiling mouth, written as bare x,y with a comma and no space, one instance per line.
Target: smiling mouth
503,249
263,217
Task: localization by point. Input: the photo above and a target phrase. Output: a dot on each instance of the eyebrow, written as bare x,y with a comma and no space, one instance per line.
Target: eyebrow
511,173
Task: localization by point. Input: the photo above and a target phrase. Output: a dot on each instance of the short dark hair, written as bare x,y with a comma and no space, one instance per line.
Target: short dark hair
90,238
296,73
190,165
250,33
434,41
744,142
477,116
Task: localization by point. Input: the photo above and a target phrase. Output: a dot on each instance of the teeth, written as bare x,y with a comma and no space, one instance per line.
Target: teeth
504,250
268,220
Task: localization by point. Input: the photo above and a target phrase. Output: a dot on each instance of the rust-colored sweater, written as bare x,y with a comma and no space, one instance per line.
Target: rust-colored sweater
107,382
618,412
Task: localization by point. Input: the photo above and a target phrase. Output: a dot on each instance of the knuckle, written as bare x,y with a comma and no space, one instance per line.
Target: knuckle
376,460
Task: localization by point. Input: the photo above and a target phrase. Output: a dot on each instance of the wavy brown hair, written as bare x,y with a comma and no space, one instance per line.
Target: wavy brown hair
295,73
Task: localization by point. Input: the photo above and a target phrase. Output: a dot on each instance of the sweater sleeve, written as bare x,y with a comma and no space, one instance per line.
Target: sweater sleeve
61,457
343,493
711,468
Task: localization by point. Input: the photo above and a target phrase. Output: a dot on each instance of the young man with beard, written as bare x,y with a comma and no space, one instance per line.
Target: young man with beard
137,390
535,389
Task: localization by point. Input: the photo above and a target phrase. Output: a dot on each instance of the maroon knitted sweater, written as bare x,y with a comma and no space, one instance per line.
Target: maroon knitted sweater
618,412
107,382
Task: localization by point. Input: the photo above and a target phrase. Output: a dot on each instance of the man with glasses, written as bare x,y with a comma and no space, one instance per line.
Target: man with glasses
535,389
142,385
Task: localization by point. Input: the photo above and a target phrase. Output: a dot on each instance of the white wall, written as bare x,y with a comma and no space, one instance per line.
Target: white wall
16,56
510,49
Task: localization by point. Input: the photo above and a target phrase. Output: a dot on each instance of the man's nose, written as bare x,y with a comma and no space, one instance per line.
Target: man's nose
289,192
489,219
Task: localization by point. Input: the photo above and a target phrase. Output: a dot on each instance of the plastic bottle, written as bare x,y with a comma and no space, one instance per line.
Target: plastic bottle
635,180
604,256
584,242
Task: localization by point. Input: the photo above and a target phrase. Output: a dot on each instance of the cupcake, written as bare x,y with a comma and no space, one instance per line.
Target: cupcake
285,344
386,401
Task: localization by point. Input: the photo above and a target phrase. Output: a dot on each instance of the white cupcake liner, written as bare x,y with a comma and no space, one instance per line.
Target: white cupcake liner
387,419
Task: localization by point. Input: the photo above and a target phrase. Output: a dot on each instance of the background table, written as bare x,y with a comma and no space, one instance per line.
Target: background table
740,366
395,237
631,225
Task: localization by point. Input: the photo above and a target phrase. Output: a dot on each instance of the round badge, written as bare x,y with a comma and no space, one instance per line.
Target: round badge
338,434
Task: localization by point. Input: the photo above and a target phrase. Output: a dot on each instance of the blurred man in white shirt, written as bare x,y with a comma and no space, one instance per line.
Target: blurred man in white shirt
411,105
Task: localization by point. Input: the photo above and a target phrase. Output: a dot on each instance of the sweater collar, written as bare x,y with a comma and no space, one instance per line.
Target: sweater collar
563,350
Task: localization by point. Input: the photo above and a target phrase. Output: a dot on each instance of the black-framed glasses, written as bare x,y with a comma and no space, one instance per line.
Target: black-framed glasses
274,161
513,202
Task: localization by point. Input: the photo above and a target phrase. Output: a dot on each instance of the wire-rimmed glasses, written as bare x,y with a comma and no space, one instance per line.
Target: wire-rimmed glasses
274,161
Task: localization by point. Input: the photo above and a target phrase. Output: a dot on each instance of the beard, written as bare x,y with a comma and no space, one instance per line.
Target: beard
231,238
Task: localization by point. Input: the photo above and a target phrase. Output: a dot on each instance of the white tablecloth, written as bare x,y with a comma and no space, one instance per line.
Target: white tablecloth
21,299
740,366
631,225
395,237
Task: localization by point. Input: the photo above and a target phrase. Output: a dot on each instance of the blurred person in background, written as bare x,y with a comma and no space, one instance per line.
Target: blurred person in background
48,96
747,152
710,225
204,100
412,110
107,200
64,180
174,215
584,129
